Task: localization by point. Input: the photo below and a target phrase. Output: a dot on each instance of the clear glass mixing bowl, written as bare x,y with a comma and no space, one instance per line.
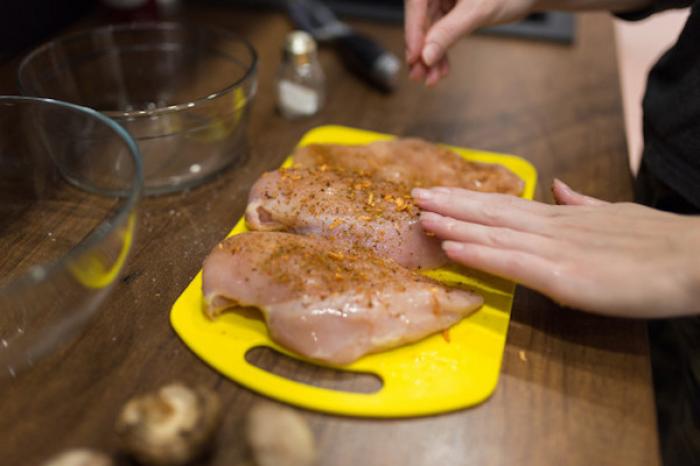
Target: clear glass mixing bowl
183,91
70,179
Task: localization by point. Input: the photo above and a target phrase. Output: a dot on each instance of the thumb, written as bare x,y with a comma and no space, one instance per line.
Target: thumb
461,20
564,195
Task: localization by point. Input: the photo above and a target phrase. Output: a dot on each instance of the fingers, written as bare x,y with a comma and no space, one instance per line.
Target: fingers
433,77
461,20
497,237
437,72
414,28
492,209
418,14
444,67
418,71
527,269
564,195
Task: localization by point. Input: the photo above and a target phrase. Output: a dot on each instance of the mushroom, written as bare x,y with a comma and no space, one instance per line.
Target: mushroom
80,457
279,436
169,427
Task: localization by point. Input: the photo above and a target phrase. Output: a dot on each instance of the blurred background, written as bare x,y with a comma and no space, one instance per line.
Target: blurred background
639,44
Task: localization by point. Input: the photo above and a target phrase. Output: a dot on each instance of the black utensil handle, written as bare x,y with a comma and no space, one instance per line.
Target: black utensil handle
369,60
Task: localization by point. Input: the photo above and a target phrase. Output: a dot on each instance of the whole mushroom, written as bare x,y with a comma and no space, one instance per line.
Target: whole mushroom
79,457
171,426
279,436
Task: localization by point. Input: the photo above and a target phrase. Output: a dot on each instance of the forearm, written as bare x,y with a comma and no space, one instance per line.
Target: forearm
690,271
616,6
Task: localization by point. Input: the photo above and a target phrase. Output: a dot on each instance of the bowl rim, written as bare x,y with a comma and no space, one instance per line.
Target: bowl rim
30,277
142,26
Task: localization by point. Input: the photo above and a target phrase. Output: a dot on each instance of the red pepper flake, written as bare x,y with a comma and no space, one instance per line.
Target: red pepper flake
446,335
436,304
400,204
339,256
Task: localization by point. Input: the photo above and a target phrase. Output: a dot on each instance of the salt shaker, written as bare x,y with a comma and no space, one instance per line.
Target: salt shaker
300,80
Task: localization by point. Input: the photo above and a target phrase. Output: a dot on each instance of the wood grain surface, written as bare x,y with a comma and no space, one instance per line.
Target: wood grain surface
575,389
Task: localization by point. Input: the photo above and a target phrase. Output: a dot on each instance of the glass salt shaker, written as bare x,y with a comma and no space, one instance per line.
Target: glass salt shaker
300,80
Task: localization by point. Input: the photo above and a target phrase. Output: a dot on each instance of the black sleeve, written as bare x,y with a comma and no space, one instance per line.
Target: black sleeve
656,7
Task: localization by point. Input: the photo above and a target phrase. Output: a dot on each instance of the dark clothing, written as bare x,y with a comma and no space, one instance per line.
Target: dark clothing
669,179
672,107
675,351
652,192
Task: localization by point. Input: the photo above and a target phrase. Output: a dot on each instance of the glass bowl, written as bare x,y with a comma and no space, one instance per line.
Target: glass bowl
183,91
70,179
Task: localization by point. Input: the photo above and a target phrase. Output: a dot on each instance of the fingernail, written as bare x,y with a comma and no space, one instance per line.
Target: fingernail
562,185
423,194
442,190
452,246
431,53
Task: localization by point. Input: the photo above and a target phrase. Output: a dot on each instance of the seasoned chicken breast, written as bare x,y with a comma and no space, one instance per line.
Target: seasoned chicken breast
413,162
324,301
347,206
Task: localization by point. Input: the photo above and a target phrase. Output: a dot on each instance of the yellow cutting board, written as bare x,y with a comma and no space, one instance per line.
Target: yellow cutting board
427,377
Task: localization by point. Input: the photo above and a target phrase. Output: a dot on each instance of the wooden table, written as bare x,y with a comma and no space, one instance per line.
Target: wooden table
575,389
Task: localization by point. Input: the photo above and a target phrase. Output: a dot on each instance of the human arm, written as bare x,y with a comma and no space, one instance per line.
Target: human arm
433,26
619,259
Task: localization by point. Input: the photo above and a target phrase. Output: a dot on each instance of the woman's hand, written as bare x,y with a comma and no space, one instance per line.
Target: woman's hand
432,26
618,259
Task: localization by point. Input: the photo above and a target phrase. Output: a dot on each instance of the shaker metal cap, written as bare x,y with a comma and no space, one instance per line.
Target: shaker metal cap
299,43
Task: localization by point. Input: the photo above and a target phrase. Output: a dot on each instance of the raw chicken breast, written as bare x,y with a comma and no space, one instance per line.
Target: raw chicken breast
349,207
414,162
325,302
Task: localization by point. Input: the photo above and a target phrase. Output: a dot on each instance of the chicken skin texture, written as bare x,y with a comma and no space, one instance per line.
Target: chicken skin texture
325,301
414,162
346,206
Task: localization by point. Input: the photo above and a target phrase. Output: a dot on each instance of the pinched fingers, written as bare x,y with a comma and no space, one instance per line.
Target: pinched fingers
460,20
414,28
418,71
437,72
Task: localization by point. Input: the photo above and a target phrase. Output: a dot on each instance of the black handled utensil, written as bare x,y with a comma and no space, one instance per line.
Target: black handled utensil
361,54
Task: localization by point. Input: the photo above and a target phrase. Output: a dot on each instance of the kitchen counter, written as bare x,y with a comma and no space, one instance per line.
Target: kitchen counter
575,389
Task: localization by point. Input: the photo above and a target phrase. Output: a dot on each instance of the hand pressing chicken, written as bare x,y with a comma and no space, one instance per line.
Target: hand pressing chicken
618,259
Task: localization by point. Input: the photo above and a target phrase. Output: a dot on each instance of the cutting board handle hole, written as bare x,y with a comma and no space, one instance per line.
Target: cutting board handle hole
280,364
